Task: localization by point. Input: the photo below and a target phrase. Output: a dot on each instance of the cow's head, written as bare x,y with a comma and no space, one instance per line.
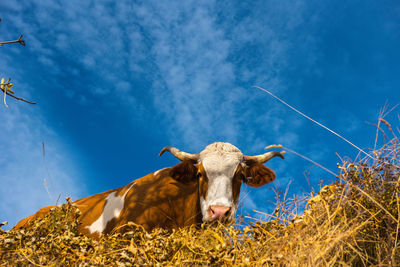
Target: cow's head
221,168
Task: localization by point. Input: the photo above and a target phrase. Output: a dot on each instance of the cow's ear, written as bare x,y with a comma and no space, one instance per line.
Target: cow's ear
258,174
184,172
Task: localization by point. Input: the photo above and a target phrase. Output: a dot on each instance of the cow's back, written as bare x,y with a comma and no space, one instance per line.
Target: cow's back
155,200
24,223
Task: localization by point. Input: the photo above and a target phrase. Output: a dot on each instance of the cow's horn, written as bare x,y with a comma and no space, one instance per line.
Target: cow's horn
179,154
265,157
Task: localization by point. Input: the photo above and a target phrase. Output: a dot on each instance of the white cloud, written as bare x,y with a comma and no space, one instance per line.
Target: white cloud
197,78
196,88
191,58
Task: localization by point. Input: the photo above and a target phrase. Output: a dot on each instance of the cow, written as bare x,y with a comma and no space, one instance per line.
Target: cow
203,187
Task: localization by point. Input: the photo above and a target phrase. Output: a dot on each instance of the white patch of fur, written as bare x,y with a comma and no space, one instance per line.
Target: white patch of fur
221,148
220,161
112,209
204,209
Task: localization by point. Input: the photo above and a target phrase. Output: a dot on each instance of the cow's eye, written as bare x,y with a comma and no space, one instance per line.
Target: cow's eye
199,175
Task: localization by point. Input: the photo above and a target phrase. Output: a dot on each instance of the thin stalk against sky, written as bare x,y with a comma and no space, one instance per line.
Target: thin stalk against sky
304,115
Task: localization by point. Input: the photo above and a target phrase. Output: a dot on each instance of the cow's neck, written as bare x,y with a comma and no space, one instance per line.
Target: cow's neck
163,202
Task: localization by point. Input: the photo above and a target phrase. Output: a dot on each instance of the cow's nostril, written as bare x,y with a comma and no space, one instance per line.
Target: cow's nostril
226,213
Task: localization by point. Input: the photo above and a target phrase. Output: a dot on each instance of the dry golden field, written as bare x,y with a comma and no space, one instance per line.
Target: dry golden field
352,222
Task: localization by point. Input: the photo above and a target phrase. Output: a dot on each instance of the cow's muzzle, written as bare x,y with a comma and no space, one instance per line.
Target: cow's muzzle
218,213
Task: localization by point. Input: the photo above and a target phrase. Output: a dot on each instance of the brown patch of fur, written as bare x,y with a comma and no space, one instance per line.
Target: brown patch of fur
184,172
260,175
170,201
203,181
237,183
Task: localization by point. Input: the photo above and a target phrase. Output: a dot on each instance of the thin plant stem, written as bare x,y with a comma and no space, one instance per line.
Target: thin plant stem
310,160
304,115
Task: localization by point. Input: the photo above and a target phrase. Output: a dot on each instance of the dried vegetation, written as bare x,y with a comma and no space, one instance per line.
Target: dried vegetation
352,222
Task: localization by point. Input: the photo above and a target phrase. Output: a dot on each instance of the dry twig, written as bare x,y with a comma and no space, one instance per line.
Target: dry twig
19,41
5,87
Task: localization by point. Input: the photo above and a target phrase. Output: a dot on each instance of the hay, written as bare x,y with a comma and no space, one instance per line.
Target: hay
352,222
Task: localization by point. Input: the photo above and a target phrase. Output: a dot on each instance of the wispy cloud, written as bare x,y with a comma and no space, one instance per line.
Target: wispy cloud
199,70
195,85
198,66
185,66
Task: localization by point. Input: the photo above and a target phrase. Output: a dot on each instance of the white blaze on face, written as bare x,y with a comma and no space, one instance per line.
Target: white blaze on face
220,161
112,209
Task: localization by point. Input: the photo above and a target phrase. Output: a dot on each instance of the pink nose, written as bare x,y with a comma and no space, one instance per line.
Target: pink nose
218,212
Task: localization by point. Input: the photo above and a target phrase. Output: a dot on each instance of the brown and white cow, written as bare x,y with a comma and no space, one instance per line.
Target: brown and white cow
203,187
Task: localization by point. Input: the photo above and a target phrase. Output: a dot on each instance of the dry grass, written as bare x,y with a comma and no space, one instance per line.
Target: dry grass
352,222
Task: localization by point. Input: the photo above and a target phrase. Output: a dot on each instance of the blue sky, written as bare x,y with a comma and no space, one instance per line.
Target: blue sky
116,81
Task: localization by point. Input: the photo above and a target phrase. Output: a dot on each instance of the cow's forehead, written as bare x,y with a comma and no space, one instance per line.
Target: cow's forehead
221,159
220,148
220,164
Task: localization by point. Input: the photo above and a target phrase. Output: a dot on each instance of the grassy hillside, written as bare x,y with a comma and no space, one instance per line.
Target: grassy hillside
354,222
